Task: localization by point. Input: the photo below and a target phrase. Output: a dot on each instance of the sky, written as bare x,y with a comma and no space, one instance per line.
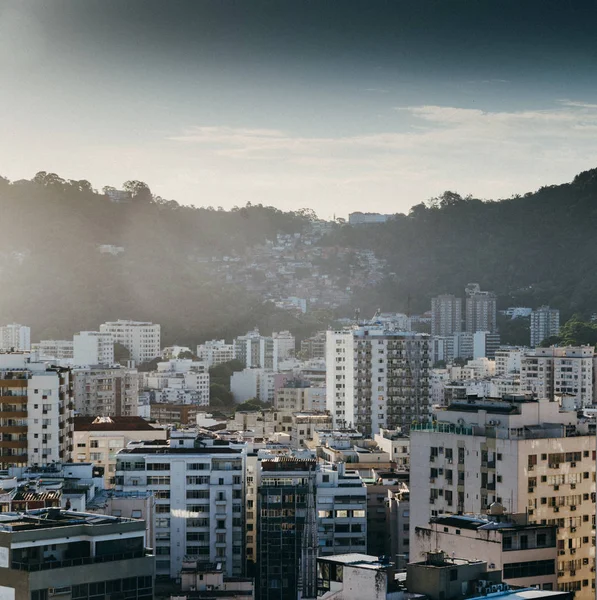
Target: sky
335,105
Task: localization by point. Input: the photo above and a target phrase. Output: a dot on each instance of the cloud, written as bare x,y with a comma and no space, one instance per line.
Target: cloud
490,154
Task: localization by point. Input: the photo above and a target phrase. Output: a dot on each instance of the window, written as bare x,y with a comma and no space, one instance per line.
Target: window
532,568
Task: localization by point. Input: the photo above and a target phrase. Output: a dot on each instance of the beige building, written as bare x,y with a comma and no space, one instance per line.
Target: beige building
98,439
527,455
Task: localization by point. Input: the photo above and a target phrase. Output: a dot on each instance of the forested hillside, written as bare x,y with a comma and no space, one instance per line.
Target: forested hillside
533,249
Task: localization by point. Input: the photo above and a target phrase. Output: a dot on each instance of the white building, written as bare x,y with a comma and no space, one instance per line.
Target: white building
527,455
396,445
291,398
61,350
360,218
35,412
545,323
15,337
106,392
215,352
141,339
377,378
256,351
203,518
508,361
285,344
254,383
557,372
93,348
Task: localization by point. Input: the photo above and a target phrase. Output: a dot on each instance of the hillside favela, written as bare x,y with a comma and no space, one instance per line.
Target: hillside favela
356,358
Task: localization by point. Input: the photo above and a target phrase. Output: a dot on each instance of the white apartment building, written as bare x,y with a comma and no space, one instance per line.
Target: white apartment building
15,337
199,493
285,344
36,411
255,383
545,323
106,392
481,312
446,315
508,361
256,351
93,348
61,350
180,380
396,445
215,352
377,378
141,339
527,455
560,372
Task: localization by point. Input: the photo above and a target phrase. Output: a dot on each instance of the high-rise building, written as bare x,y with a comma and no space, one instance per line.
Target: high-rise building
377,378
528,456
106,392
203,516
54,553
93,348
215,352
256,351
446,315
545,323
565,373
36,412
314,347
141,339
481,310
15,337
285,344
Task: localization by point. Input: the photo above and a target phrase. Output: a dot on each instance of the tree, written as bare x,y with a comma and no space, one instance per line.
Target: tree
139,190
121,354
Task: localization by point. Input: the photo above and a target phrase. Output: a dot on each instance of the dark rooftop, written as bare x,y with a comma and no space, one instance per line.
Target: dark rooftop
112,424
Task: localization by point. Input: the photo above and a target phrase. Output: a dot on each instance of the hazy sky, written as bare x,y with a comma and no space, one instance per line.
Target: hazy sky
337,105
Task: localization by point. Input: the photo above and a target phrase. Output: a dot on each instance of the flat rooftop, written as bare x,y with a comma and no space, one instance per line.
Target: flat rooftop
51,518
362,561
112,424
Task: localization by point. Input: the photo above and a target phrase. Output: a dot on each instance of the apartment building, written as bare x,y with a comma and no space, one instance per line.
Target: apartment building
299,396
560,372
60,350
397,445
99,439
525,454
15,337
481,309
545,323
508,361
314,347
215,352
199,492
58,553
175,414
256,351
377,378
106,392
141,339
36,412
285,344
93,348
256,383
523,554
446,315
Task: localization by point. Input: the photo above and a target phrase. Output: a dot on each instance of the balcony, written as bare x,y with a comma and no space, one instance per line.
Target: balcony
77,562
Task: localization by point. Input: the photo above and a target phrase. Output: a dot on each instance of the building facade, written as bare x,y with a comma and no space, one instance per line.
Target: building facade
446,315
141,339
545,323
15,337
481,310
93,348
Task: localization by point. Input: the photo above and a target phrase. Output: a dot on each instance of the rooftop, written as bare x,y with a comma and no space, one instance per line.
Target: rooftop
362,561
112,424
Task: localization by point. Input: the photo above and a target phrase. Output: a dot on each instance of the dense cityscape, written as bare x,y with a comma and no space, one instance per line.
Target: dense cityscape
273,468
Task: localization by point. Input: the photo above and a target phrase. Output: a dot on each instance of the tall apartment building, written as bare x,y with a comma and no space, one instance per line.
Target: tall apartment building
141,339
199,491
446,315
377,378
61,350
93,348
545,323
35,412
53,553
256,351
15,337
106,392
285,344
527,455
565,372
481,313
215,352
299,396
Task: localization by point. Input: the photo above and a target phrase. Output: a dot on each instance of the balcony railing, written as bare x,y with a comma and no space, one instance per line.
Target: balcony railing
77,562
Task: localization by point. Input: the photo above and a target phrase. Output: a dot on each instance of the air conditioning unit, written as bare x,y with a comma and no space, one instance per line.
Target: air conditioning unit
573,486
573,464
556,487
556,509
572,550
573,573
573,529
60,591
562,552
573,507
